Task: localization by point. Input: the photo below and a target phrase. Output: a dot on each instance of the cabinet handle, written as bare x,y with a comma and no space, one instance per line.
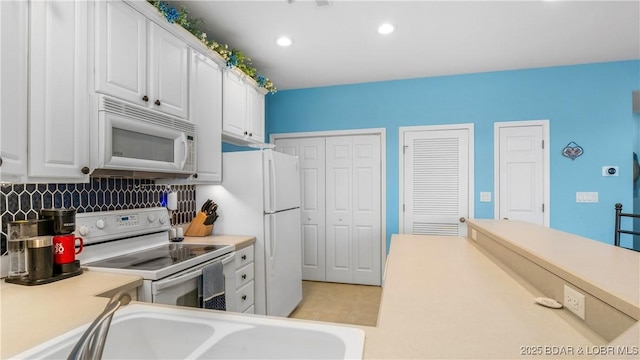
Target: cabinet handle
246,133
250,134
157,102
195,176
85,170
244,297
462,219
244,276
0,160
145,98
243,257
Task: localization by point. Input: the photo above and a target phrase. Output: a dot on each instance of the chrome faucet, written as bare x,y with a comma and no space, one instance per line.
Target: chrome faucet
91,343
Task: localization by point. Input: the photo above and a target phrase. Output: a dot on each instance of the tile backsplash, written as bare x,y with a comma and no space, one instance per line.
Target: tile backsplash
22,201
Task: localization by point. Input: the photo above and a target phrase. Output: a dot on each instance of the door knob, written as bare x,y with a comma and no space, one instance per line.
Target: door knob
462,219
84,170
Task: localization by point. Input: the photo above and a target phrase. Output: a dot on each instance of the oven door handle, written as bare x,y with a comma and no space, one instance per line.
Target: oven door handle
163,284
229,257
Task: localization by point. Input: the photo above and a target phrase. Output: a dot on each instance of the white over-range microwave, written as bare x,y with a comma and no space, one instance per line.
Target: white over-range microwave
131,141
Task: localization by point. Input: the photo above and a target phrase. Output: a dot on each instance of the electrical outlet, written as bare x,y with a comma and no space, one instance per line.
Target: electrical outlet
574,301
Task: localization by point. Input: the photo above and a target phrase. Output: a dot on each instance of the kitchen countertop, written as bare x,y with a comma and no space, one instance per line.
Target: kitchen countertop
30,315
69,303
443,298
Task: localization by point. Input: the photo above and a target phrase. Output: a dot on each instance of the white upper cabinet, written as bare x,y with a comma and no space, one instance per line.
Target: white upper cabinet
255,114
138,61
242,110
121,51
234,110
206,112
168,71
58,119
13,89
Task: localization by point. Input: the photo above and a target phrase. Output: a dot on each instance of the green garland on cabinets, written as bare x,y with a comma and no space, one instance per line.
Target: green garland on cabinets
233,57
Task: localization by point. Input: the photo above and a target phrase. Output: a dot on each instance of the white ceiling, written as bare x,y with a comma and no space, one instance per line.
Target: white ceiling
339,43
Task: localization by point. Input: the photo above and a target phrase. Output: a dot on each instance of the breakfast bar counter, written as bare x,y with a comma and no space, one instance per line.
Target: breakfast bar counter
443,298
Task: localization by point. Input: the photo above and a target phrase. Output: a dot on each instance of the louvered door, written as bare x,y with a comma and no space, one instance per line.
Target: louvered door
436,181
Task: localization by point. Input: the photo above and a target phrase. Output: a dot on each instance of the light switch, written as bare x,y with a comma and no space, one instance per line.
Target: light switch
587,197
485,197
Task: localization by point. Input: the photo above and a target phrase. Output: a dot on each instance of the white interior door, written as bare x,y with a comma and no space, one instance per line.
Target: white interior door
436,180
311,153
341,203
366,210
353,209
339,200
521,172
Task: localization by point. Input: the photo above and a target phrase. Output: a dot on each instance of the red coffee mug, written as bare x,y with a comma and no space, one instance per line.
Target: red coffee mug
64,251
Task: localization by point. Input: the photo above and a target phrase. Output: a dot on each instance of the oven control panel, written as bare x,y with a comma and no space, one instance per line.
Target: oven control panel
118,224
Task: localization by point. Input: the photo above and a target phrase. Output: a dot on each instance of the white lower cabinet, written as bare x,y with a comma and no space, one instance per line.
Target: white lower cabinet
58,105
240,295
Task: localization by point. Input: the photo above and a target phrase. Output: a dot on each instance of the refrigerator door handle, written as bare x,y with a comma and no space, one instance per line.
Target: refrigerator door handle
271,190
272,241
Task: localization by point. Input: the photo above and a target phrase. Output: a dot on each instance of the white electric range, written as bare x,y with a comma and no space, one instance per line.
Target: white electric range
136,242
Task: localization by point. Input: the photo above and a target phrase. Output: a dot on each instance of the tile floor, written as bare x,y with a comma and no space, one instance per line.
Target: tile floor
340,303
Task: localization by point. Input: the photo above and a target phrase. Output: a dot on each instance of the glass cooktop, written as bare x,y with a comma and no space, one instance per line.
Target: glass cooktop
157,258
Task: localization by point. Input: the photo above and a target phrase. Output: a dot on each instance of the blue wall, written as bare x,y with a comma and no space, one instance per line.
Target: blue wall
588,104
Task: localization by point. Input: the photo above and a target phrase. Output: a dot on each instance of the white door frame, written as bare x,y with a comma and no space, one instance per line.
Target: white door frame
383,175
546,156
404,129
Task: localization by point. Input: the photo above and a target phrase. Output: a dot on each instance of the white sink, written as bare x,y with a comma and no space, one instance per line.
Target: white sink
140,331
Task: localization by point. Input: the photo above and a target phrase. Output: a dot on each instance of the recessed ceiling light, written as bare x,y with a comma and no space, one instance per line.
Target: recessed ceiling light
284,41
386,28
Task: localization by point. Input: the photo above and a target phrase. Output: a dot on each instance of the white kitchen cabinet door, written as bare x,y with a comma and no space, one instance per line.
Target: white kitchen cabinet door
168,72
13,89
255,114
311,154
234,107
206,112
138,61
58,124
121,52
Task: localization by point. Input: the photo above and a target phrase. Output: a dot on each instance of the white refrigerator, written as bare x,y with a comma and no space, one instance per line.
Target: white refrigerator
260,196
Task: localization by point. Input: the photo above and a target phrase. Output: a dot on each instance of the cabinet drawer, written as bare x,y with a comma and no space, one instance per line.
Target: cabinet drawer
244,256
244,275
250,310
244,297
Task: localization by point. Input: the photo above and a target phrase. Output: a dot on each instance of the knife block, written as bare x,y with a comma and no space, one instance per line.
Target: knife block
197,226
